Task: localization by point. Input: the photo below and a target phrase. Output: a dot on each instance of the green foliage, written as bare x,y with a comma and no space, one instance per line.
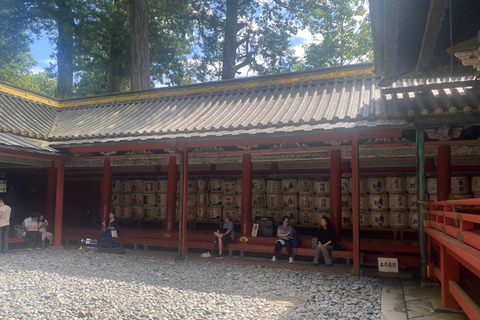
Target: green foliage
343,27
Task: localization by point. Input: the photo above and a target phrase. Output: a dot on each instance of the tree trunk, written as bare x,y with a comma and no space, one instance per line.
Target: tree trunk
66,26
230,41
139,53
117,68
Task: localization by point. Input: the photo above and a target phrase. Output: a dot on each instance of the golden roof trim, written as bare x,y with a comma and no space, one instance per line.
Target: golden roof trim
30,96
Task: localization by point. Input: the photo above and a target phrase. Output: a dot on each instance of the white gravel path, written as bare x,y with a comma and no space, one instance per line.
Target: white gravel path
69,284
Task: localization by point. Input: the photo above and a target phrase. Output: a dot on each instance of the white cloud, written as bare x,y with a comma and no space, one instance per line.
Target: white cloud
36,69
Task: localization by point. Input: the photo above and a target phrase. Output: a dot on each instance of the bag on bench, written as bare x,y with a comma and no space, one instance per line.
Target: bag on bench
295,242
19,230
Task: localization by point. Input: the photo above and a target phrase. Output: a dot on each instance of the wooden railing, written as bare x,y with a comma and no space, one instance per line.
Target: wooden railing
454,229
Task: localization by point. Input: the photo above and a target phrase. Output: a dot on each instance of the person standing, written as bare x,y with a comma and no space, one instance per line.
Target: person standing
285,234
33,235
5,212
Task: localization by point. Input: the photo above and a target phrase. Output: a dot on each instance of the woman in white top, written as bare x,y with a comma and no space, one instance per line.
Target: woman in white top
43,224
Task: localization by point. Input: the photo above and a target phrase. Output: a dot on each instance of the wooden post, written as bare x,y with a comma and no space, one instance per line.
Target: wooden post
184,202
355,206
420,138
336,192
443,172
59,203
107,189
449,271
246,194
51,183
171,195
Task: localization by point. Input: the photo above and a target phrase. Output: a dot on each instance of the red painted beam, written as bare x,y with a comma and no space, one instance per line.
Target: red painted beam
449,271
246,219
443,172
121,147
59,203
336,192
355,205
171,194
51,183
469,306
107,189
184,204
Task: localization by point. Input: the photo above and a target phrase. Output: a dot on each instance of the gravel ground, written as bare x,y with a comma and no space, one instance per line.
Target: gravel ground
69,284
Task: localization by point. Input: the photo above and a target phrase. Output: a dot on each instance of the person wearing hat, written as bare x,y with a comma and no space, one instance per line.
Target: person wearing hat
225,236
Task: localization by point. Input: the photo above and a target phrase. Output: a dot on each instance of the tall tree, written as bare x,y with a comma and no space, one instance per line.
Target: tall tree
139,52
343,31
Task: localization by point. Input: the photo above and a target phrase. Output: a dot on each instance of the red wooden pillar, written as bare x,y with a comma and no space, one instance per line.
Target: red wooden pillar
107,189
171,195
336,192
355,205
184,202
51,182
59,203
246,194
449,271
443,172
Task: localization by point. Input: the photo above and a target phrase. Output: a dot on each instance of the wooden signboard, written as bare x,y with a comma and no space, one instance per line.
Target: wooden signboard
266,226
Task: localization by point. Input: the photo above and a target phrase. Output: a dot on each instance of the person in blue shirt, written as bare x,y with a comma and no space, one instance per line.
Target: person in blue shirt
225,236
285,235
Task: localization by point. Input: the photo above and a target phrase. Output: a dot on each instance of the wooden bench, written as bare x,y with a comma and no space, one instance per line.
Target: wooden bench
13,239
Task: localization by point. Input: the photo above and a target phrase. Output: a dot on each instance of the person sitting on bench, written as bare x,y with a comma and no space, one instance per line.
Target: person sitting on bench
285,234
33,235
43,225
110,228
326,242
225,236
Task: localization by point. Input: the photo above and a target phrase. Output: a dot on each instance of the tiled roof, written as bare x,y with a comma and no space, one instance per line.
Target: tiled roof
18,142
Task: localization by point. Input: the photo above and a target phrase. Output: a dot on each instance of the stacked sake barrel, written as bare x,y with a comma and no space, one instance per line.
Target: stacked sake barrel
230,199
321,188
259,198
378,199
412,190
201,199
476,186
306,202
398,201
363,203
274,200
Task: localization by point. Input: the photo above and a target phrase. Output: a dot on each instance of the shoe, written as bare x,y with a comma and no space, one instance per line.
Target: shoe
39,248
274,259
329,265
30,249
315,264
290,260
219,256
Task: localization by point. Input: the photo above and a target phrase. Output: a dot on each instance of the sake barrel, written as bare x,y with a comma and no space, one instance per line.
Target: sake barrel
274,186
137,212
321,186
191,200
378,202
292,214
232,212
258,185
345,185
229,200
118,212
258,212
201,185
125,186
399,219
215,199
376,185
201,213
274,200
126,199
228,186
322,202
460,185
364,219
161,186
126,212
116,186
148,213
306,217
396,184
259,200
412,201
160,213
239,200
215,185
277,214
413,219
214,213
398,201
137,199
346,202
191,211
201,199
432,185
290,200
289,186
137,185
149,200
362,185
190,186
432,197
346,218
239,185
363,202
461,196
148,186
162,199
411,184
306,201
305,186
379,219
475,184
115,199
